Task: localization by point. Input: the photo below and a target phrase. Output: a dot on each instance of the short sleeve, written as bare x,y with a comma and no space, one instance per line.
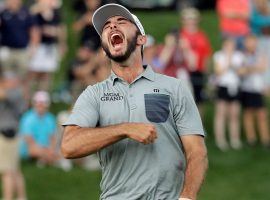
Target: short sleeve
85,111
186,114
25,127
31,19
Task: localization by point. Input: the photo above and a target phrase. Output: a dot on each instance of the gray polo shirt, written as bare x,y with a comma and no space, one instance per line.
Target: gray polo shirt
131,170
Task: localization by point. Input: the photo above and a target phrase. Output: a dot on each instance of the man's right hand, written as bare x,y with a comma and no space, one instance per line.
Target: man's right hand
140,132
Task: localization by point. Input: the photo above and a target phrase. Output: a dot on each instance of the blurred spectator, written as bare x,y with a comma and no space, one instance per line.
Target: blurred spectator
260,25
260,17
52,46
252,88
11,107
19,37
96,70
38,128
85,25
234,19
102,67
227,61
150,54
76,73
194,38
88,68
176,57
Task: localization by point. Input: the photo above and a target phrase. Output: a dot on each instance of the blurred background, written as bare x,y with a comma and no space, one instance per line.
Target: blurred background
50,52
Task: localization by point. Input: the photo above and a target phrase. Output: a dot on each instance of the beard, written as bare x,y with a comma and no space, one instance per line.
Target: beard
130,49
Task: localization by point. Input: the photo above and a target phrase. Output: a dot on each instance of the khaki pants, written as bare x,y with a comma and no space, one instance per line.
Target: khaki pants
9,154
15,60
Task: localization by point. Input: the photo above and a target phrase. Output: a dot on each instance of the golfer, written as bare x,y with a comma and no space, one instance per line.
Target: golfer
144,126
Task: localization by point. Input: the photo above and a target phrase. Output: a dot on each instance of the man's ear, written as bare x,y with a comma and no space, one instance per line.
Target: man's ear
141,40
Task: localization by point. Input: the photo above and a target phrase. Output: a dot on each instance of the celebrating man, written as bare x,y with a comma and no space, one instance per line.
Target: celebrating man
144,126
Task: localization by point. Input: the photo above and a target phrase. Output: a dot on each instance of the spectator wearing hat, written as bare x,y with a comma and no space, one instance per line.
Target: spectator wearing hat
37,129
12,106
200,45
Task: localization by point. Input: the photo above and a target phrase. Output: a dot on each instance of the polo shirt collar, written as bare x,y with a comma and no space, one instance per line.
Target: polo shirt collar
148,73
113,77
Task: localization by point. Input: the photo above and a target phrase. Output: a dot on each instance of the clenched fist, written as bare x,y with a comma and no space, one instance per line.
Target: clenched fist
141,132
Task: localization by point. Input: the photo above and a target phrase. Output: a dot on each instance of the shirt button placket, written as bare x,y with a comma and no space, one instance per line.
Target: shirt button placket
132,102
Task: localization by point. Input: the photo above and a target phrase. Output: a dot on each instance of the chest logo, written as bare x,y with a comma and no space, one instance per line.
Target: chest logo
111,97
156,90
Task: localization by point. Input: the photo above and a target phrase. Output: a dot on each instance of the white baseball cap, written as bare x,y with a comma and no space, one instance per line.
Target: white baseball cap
102,14
41,97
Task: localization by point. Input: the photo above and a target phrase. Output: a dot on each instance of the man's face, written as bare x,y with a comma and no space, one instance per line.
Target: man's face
229,45
119,38
13,4
41,107
190,22
250,43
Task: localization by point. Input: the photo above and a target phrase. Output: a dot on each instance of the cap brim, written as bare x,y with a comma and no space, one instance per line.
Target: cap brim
107,11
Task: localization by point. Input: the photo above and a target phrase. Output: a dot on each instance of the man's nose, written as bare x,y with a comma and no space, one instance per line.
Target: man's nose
113,25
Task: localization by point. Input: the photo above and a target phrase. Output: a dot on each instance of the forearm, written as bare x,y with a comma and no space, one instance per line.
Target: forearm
34,37
78,26
78,142
252,70
81,23
3,93
195,172
53,143
166,55
62,34
190,58
34,149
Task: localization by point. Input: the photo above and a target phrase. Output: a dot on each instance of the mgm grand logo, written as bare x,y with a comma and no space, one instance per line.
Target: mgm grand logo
111,97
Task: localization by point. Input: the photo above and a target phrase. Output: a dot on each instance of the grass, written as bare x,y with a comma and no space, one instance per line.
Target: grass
54,184
241,175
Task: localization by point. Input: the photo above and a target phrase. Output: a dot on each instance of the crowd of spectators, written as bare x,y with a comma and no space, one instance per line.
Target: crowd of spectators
242,71
33,42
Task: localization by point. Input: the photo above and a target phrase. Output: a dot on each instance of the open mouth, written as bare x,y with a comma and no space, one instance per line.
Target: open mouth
116,39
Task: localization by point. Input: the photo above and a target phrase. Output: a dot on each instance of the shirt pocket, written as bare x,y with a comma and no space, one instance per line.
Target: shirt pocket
157,107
